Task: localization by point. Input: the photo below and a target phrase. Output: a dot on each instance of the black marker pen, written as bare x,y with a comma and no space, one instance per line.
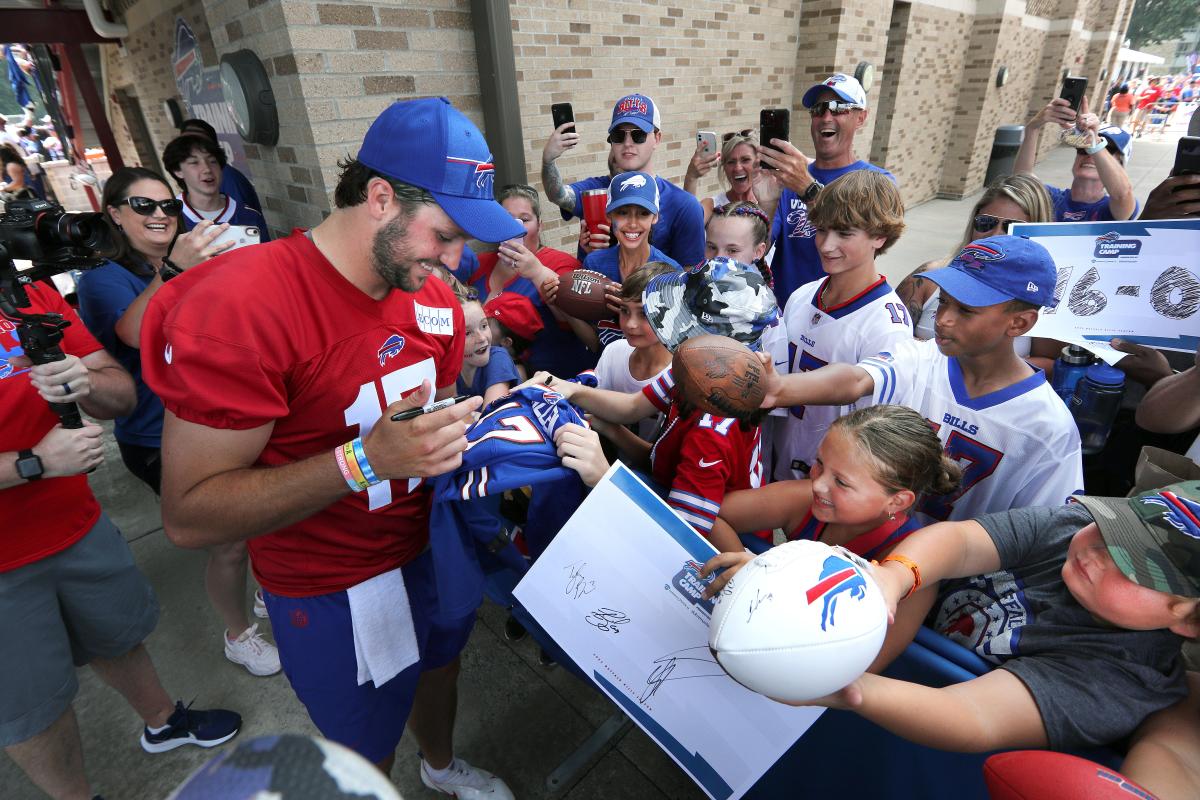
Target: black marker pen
413,413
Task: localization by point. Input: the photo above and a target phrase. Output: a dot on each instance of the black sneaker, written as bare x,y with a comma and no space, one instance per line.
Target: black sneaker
513,631
185,726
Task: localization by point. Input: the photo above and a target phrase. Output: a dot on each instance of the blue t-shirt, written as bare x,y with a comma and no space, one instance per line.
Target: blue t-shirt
236,185
499,369
796,259
105,293
608,263
468,265
1068,210
679,231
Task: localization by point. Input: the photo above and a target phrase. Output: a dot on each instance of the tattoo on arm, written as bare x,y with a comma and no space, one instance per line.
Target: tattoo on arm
560,194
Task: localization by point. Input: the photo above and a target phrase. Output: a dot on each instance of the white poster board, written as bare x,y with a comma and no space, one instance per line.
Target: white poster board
1133,280
617,590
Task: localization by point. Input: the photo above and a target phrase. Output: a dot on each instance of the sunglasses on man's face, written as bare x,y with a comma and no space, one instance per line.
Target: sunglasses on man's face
833,107
986,222
743,133
618,137
145,206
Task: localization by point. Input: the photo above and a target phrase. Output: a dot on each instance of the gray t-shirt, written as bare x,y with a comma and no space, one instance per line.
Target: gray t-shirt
1093,683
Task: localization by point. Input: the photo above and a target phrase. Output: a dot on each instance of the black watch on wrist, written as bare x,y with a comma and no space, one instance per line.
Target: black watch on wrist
810,193
168,270
29,466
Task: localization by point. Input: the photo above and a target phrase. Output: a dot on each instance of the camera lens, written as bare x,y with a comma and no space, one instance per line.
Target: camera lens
76,229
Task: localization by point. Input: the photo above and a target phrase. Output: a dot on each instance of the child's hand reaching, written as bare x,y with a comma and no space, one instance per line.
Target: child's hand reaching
544,380
772,382
580,450
731,563
846,699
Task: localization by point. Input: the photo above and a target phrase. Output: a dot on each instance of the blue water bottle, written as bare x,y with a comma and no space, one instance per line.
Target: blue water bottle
1069,367
1095,404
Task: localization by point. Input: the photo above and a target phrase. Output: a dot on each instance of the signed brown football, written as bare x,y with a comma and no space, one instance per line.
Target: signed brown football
719,375
581,294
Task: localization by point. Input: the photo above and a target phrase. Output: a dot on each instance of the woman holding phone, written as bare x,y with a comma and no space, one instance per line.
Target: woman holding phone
740,173
144,217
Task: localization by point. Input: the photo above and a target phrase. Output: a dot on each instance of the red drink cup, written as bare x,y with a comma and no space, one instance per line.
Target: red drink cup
595,201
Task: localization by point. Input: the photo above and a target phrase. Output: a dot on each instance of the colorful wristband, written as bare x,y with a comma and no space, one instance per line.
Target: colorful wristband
1097,147
360,455
912,566
339,455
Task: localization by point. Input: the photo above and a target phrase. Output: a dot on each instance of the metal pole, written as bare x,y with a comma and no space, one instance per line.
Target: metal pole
498,89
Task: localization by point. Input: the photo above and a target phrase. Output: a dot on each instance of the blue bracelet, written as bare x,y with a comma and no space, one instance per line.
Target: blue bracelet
360,456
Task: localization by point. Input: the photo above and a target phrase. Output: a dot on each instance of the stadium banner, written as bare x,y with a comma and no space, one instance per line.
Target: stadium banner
618,589
1137,280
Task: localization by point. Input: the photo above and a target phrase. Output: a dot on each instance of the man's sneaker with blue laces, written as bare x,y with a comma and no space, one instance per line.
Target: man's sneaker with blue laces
189,726
465,782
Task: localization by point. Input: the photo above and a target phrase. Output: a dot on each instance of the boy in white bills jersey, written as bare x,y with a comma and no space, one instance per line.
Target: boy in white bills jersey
848,315
997,415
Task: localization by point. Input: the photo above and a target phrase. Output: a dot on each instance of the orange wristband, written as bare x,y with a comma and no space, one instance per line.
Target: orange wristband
912,565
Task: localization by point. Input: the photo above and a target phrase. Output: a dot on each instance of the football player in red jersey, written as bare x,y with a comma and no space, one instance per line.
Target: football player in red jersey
281,373
70,592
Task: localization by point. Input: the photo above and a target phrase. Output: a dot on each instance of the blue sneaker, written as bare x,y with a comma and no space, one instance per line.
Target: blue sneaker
185,726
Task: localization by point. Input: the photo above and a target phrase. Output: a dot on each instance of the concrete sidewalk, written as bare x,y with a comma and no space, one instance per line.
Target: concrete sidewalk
516,718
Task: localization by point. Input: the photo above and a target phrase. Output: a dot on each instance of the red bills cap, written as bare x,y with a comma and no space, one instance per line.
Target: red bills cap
515,312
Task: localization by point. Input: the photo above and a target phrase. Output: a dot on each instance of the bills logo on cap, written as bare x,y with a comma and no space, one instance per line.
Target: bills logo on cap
974,255
484,171
1178,512
834,80
632,105
637,181
391,348
838,576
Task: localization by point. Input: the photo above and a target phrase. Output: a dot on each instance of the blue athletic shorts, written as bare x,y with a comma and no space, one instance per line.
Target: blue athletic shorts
316,648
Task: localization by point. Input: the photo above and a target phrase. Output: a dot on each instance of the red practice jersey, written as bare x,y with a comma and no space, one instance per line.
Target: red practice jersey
273,334
700,456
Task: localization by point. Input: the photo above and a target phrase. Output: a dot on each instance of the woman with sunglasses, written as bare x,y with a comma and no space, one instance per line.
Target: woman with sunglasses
740,172
144,216
1012,198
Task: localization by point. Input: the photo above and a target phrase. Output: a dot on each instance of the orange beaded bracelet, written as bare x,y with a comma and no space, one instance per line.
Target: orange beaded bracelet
912,565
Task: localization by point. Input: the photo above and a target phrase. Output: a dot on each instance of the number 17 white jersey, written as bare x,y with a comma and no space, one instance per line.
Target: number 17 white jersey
1018,446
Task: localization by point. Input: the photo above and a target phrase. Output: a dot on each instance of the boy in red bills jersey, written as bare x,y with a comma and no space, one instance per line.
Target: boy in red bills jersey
848,315
282,369
997,415
698,457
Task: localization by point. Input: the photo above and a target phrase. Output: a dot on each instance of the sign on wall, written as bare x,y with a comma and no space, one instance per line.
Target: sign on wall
203,96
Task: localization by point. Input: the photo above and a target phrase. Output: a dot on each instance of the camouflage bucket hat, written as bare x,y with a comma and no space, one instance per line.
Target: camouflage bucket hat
723,297
1154,537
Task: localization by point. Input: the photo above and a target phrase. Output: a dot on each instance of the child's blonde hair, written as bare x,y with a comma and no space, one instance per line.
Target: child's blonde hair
465,294
863,200
904,450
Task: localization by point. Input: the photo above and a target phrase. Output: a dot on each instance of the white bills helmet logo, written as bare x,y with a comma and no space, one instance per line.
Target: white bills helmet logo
637,180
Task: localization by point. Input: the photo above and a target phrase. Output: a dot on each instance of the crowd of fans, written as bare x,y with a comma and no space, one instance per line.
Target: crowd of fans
915,426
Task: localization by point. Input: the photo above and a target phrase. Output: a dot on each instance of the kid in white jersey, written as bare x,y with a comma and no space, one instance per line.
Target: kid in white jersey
997,415
849,314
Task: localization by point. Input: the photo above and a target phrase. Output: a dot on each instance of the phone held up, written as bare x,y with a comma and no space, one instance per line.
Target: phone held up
1073,90
562,114
240,235
1187,156
773,123
707,141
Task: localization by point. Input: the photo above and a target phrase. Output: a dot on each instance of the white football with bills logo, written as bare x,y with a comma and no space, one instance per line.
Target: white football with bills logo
798,622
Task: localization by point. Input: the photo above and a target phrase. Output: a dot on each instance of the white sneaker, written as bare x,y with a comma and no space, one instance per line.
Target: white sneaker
260,605
467,783
253,652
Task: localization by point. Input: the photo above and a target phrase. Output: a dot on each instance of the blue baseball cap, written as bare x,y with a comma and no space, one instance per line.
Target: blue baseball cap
633,189
997,269
430,144
1118,138
638,110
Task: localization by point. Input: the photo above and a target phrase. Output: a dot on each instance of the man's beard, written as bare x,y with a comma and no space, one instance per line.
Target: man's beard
392,258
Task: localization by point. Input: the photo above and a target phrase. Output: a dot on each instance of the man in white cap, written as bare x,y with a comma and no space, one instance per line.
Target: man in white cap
633,135
285,375
838,107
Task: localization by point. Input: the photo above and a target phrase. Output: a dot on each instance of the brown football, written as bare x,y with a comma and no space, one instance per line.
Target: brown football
719,375
581,294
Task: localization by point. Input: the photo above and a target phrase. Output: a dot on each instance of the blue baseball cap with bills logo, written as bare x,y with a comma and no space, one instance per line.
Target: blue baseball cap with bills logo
633,189
637,110
997,269
844,86
430,144
1119,138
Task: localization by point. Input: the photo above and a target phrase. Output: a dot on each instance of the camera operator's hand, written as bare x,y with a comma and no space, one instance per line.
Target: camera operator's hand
196,246
65,381
70,451
428,445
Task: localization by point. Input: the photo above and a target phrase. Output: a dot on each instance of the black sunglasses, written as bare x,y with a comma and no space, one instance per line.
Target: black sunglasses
833,107
987,222
145,206
745,133
618,137
1079,151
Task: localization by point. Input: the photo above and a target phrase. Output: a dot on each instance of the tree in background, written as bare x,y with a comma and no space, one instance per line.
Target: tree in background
1156,21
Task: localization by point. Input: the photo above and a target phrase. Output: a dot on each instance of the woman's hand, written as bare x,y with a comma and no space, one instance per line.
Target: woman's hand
196,245
517,255
702,162
612,296
591,242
